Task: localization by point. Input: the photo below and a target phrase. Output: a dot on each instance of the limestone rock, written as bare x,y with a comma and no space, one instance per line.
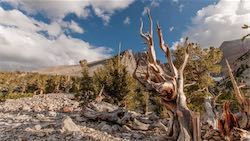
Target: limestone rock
67,109
69,126
116,128
106,128
80,119
38,127
26,108
137,136
52,114
37,108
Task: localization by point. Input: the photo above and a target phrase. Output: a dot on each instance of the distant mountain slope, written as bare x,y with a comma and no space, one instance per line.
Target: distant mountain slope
127,58
236,52
72,70
232,50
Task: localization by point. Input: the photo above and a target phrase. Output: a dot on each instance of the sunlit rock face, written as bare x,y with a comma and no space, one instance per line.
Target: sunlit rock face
232,51
128,59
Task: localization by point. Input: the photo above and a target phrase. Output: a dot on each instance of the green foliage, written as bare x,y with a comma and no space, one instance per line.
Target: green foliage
86,82
228,96
117,82
138,100
15,95
85,91
53,84
120,87
202,64
196,100
20,84
75,85
158,108
40,82
66,84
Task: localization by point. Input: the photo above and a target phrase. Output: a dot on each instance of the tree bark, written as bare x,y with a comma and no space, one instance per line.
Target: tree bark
185,124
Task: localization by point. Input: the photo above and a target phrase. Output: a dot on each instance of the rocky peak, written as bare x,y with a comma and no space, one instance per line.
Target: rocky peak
127,58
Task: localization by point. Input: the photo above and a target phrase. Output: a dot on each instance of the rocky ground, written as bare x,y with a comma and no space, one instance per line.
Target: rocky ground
57,117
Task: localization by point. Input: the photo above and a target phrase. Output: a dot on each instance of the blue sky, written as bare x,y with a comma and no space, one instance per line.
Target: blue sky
37,34
168,14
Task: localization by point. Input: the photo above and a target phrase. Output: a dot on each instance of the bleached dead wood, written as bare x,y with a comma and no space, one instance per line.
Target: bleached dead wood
244,135
100,96
211,115
185,124
107,112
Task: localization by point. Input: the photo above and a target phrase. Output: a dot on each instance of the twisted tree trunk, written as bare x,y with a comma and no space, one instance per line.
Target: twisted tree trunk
185,124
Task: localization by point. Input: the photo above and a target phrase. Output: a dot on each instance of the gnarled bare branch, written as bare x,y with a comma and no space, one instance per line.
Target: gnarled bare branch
191,84
143,35
187,46
148,37
238,94
150,22
166,50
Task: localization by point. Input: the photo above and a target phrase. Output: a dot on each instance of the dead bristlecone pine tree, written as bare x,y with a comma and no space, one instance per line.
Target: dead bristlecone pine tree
185,124
229,123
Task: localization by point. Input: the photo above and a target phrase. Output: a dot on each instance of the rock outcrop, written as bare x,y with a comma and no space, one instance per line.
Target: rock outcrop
232,50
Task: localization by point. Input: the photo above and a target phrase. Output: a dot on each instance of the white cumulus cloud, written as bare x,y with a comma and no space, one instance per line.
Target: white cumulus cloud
219,22
151,5
126,21
144,12
181,6
75,27
176,1
155,3
171,28
24,44
55,9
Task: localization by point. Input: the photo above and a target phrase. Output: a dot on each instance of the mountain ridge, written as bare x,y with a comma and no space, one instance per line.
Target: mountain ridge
233,51
127,58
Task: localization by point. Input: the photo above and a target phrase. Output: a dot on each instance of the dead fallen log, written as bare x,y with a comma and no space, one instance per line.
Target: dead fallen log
102,111
118,116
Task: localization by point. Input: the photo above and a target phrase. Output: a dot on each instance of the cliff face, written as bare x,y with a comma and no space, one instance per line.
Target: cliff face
238,55
232,50
129,60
